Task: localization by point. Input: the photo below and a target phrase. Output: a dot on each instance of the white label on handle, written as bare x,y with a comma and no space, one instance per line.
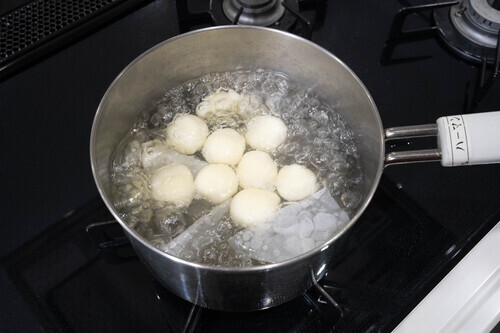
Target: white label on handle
469,139
459,143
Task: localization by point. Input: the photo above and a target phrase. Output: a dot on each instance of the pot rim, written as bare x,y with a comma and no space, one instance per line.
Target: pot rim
235,270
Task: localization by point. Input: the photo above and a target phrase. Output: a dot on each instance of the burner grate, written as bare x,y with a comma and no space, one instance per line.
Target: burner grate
32,30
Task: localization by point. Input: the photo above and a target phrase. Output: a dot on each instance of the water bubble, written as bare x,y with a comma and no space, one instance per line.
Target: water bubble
312,102
269,86
318,142
320,160
206,78
285,116
172,225
351,199
355,178
202,90
322,132
302,158
346,136
320,115
300,131
336,184
290,148
255,101
300,113
276,102
209,255
313,125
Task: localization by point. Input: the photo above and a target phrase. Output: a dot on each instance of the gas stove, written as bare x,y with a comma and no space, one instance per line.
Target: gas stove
422,221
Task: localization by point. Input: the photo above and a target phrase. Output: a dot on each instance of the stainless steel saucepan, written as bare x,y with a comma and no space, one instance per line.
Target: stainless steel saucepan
461,140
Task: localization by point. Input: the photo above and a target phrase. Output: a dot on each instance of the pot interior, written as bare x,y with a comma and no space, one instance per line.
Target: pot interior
188,56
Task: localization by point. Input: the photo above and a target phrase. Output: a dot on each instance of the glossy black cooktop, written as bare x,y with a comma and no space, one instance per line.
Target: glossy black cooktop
423,218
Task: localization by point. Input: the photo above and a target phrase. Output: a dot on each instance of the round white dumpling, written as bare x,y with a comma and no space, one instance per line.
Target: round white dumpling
216,182
173,183
187,133
224,146
295,182
266,133
253,206
221,101
257,169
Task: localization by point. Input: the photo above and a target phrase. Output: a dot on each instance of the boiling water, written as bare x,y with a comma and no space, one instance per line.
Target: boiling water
318,138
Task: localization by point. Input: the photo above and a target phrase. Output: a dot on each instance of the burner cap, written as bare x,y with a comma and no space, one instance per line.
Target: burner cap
478,21
254,12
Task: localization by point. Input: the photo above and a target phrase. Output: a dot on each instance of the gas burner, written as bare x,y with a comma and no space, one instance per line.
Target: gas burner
478,20
253,12
301,17
266,13
471,28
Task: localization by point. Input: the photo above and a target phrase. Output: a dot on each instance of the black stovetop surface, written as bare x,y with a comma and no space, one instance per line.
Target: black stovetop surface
422,220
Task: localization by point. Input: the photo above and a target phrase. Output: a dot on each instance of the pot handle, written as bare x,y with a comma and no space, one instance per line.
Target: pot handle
461,140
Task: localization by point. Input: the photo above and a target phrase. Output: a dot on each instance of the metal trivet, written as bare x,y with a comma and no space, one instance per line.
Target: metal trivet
319,310
41,26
